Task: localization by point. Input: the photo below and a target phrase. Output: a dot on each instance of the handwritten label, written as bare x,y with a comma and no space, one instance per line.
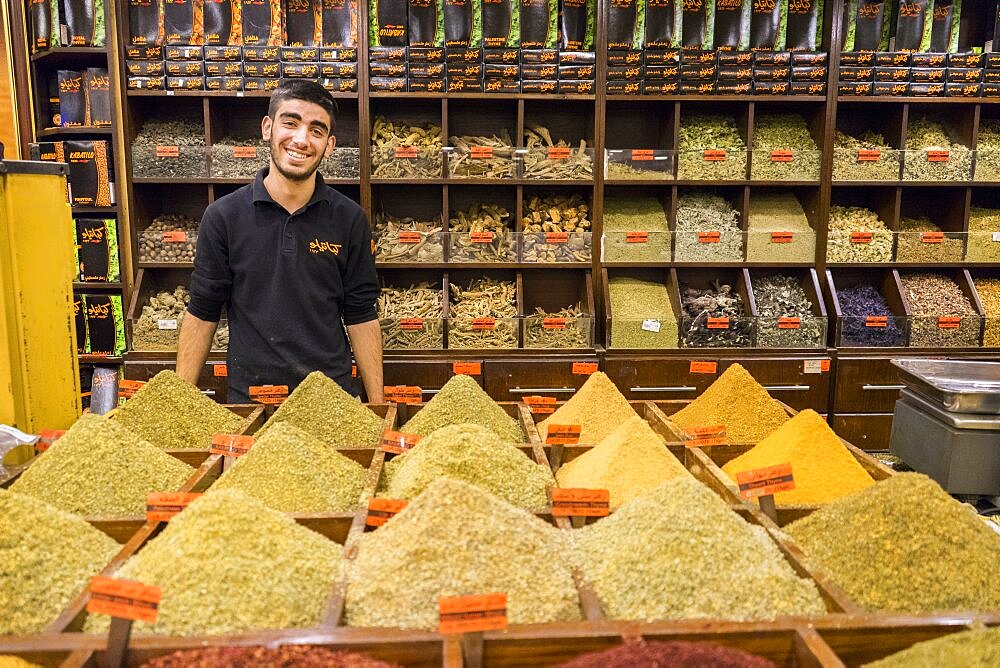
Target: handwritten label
700,366
636,237
467,368
714,155
231,445
268,394
781,156
709,237
176,236
166,324
584,368
407,152
576,502
540,405
815,366
705,437
381,511
125,599
484,323
168,151
162,506
220,370
553,323
403,394
642,154
937,156
411,324
481,237
932,237
766,481
128,388
877,321
563,434
397,442
789,323
861,237
782,237
869,155
996,236
650,325
244,151
47,437
409,237
468,614
558,153
718,323
481,152
949,322
556,237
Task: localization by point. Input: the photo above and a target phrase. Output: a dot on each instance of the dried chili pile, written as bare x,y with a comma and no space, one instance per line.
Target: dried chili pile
286,656
674,654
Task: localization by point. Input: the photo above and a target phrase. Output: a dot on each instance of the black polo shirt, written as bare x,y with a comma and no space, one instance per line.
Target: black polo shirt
289,284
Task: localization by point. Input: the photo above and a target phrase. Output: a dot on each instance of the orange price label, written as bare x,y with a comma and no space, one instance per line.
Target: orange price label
766,481
403,394
789,323
563,434
705,437
354,371
782,237
718,323
781,156
409,237
575,502
869,155
162,506
231,445
642,154
128,388
408,152
949,322
481,237
698,366
381,511
168,151
816,366
584,368
877,321
932,237
125,599
244,151
47,437
937,156
468,614
636,237
553,323
220,370
709,237
540,405
556,237
467,368
481,152
484,323
714,155
411,324
397,442
558,153
268,394
861,237
175,236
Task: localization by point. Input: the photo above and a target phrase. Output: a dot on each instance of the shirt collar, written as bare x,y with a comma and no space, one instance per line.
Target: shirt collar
260,194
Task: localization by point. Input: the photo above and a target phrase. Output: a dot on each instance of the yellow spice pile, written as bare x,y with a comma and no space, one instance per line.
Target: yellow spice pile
598,407
631,461
824,470
462,401
736,401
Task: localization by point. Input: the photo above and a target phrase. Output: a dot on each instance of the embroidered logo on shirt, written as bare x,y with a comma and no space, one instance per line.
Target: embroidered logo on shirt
317,246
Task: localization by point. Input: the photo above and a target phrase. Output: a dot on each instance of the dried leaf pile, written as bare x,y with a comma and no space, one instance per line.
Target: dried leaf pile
918,240
978,647
598,407
710,132
722,304
388,136
462,401
856,234
641,314
417,302
635,214
484,315
850,165
933,153
988,290
788,133
780,212
187,134
707,229
931,296
988,150
780,297
984,235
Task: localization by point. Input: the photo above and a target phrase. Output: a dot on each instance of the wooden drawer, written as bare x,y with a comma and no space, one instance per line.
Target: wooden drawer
428,374
657,378
867,431
214,386
512,380
786,380
866,385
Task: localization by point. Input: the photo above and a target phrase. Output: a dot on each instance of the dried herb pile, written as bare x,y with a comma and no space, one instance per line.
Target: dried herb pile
598,407
783,132
916,245
482,233
704,306
680,654
635,214
229,564
230,162
927,137
988,290
931,296
159,325
640,561
772,212
858,305
988,150
153,248
408,239
631,461
556,213
485,298
388,136
920,550
462,401
452,540
707,229
824,469
538,163
781,296
737,401
641,314
984,235
417,301
286,656
712,132
575,334
288,470
978,647
48,558
187,134
100,468
856,234
322,409
171,413
475,455
493,159
854,158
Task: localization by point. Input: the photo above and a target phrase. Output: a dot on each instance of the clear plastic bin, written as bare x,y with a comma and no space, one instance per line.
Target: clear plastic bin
791,332
555,247
785,165
407,162
482,246
640,164
481,333
169,162
867,164
938,165
712,164
872,331
859,246
237,162
556,332
948,247
654,332
636,246
717,332
945,331
412,333
781,246
481,162
983,246
557,163
987,165
344,162
410,246
173,246
725,245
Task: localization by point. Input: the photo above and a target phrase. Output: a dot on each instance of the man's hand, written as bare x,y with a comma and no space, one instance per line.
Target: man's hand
193,345
366,341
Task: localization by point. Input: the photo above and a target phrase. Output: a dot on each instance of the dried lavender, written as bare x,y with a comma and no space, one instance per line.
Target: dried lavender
988,151
984,235
170,149
778,229
783,149
863,309
933,152
785,314
710,149
920,240
932,297
714,317
411,317
171,237
641,314
239,157
707,229
865,158
625,215
856,234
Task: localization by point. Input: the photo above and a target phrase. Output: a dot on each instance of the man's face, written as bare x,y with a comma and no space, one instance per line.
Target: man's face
299,135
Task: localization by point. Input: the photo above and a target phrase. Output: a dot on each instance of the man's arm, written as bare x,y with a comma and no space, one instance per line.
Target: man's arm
193,345
366,340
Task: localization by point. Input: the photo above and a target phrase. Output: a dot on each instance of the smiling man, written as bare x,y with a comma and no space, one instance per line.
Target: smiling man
291,261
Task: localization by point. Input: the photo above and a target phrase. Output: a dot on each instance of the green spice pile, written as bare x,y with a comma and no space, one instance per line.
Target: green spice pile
979,648
920,240
641,314
624,215
785,133
598,407
171,413
707,229
988,150
48,557
854,158
710,132
641,561
984,235
778,229
933,153
931,296
99,467
988,290
919,549
856,234
288,470
411,317
462,401
489,300
229,564
322,409
780,297
452,540
474,455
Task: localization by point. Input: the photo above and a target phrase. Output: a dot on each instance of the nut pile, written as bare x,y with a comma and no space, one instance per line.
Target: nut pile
160,242
641,314
484,315
785,314
407,239
988,150
411,317
984,235
920,240
472,157
707,229
778,229
856,234
556,228
393,144
159,324
635,215
867,319
783,149
714,317
941,314
710,149
482,233
540,161
239,157
933,153
153,151
865,158
988,290
462,401
566,328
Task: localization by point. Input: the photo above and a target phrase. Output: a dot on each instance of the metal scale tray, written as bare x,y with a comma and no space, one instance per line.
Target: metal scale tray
958,386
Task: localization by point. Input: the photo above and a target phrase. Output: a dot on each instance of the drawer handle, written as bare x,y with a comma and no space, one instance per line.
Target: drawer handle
875,388
547,390
208,393
680,388
787,388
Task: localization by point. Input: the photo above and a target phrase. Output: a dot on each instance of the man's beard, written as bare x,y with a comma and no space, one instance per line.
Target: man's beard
290,175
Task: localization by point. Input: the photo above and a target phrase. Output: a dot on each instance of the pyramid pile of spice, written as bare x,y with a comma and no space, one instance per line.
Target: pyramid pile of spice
171,413
462,401
598,407
737,402
100,468
978,647
322,409
286,656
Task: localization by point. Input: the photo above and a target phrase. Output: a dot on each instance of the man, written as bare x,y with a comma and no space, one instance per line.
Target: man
291,260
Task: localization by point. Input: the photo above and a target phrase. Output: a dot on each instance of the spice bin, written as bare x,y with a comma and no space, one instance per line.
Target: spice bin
641,309
558,163
790,309
175,162
558,310
411,150
555,228
716,306
635,228
169,239
943,307
857,234
157,308
987,284
935,151
343,162
707,227
779,230
480,231
408,239
639,164
238,158
868,307
872,163
983,243
412,317
482,309
783,149
482,160
712,146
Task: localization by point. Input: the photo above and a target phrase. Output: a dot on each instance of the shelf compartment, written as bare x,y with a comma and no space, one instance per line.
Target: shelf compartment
640,165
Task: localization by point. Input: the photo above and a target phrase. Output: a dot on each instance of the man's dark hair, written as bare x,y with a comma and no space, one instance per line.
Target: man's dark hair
302,89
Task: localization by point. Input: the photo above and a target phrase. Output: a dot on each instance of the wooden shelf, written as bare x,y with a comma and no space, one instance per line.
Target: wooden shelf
918,100
483,182
913,184
99,359
58,132
715,98
95,210
96,285
155,180
482,265
710,184
66,54
235,94
777,265
482,96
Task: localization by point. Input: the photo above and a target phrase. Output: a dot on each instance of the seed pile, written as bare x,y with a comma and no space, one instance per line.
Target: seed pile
407,239
286,656
389,162
918,242
48,557
159,325
322,409
484,315
715,317
598,407
710,132
854,158
474,455
824,469
229,564
640,561
858,305
417,302
288,470
153,247
239,157
737,401
482,233
988,150
462,401
989,295
933,153
641,214
984,235
481,157
778,212
575,333
153,414
856,234
783,132
931,296
680,654
707,229
641,314
629,462
979,647
187,134
781,297
452,540
920,550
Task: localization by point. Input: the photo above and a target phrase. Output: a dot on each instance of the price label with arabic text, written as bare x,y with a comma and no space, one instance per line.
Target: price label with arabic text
703,366
268,394
563,434
782,237
705,437
231,445
765,481
576,502
128,388
584,368
467,368
540,405
381,511
397,442
709,237
469,614
877,321
163,506
175,236
403,394
125,599
636,237
47,437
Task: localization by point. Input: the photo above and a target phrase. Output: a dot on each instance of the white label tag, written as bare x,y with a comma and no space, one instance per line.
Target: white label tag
166,324
812,366
651,325
996,236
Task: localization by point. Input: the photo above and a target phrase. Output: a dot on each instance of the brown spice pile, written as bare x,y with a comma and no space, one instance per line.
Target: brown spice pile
286,656
598,407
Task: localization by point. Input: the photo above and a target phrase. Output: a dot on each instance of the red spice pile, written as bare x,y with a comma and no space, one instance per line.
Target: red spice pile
287,656
673,654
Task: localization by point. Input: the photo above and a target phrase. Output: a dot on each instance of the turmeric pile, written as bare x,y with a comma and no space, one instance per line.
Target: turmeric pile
598,407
